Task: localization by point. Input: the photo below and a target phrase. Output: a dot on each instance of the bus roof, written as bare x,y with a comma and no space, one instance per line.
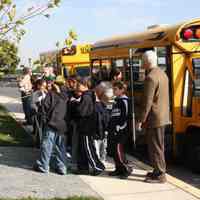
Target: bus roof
158,36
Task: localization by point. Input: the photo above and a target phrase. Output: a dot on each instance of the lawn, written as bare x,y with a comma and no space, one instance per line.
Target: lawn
11,133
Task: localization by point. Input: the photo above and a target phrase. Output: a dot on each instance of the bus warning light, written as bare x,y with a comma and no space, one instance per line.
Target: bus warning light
187,34
197,33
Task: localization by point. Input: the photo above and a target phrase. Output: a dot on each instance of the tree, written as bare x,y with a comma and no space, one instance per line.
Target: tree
72,36
37,66
11,23
8,56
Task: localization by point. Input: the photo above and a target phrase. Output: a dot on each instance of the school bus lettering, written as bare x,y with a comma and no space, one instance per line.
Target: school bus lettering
85,49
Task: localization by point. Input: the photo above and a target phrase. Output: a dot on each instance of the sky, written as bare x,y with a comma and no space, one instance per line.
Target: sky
95,20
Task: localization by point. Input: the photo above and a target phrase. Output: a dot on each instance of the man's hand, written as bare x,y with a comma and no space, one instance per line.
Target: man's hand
138,126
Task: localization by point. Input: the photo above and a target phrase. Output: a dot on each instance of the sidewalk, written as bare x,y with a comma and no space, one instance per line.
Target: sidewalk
18,180
135,187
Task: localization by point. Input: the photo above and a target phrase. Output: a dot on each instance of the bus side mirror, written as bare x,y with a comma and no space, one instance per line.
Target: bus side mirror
196,88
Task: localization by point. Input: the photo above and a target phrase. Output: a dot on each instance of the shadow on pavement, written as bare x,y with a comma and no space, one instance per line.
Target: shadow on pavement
18,157
184,174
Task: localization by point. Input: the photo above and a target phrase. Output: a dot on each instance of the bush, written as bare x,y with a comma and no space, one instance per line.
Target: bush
1,75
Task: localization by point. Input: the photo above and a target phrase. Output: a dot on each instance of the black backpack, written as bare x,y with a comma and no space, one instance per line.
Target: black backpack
101,118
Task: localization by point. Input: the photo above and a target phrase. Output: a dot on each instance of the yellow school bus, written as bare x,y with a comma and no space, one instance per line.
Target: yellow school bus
75,60
178,50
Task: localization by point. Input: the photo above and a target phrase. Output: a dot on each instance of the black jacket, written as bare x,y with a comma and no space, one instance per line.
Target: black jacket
103,117
54,111
119,116
73,114
86,112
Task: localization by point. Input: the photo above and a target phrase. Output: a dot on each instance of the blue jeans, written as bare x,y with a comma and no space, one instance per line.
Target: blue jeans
52,144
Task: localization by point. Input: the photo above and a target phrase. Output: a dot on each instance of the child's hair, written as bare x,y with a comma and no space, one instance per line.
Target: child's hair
26,70
85,81
120,85
114,72
38,82
56,88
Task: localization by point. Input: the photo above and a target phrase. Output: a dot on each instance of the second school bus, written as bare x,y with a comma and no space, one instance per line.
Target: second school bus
75,60
178,49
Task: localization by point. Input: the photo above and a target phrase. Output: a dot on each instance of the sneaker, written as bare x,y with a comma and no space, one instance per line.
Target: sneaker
156,179
149,174
114,173
60,171
39,169
130,170
125,175
96,172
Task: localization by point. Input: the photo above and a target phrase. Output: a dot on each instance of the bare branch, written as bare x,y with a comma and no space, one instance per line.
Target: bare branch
10,22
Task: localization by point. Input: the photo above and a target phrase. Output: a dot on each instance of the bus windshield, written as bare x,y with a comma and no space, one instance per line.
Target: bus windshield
83,71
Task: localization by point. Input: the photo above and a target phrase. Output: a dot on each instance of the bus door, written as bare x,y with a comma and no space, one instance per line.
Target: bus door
195,62
190,105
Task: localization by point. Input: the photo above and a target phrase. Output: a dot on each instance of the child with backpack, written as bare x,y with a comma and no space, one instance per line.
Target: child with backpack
103,116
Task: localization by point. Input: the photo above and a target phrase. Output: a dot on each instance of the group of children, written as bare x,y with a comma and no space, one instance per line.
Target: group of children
74,110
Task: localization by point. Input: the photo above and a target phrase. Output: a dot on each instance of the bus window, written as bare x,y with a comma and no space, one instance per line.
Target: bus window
118,63
95,67
187,96
138,73
95,72
162,57
196,70
196,67
105,69
82,71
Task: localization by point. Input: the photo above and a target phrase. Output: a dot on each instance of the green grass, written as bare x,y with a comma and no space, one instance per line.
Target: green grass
69,198
11,133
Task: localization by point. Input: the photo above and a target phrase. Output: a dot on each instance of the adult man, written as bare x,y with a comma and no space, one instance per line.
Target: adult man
25,86
154,115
